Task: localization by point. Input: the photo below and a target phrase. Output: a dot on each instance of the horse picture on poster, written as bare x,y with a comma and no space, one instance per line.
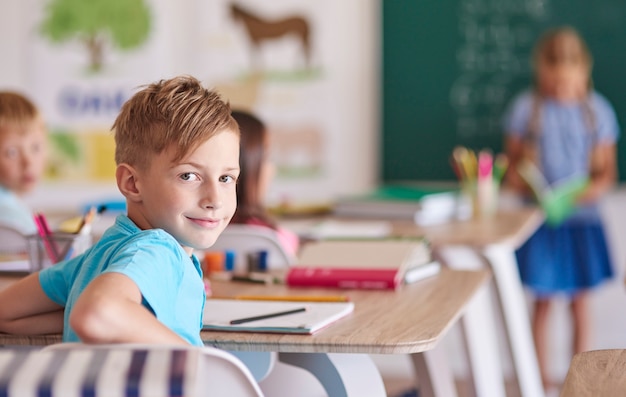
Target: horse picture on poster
260,30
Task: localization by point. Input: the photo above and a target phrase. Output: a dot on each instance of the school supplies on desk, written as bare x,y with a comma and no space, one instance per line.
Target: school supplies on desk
480,176
426,205
46,237
219,315
295,298
362,264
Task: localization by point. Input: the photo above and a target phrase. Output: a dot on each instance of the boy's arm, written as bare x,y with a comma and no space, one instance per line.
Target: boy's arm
26,309
109,310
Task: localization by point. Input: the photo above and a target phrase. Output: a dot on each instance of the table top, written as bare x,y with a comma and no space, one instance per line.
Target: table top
510,227
412,319
507,227
596,373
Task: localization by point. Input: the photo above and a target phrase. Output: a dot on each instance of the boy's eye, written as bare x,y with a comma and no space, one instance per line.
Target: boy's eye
227,179
188,176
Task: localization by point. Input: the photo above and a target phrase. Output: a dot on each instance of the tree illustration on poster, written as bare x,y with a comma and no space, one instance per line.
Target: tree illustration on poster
124,24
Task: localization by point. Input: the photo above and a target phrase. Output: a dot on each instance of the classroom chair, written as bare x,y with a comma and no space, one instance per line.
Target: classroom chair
245,239
596,373
74,369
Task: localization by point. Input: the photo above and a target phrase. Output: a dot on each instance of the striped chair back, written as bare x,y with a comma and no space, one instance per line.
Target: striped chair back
67,370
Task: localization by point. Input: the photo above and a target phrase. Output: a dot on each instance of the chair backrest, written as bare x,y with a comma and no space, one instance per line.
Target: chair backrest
245,239
125,369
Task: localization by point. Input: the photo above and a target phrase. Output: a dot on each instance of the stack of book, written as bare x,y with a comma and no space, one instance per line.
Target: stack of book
424,205
365,263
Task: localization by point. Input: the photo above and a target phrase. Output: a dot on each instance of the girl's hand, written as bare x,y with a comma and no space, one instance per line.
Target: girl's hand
603,175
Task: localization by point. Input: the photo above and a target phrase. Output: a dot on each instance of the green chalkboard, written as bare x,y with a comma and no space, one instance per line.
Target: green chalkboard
451,66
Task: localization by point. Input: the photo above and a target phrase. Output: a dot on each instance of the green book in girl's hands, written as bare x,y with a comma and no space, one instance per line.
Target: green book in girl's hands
557,201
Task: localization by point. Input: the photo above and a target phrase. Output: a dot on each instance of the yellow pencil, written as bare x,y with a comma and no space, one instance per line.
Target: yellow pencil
296,298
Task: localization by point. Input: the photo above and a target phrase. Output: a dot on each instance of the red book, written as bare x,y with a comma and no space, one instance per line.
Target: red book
343,278
366,264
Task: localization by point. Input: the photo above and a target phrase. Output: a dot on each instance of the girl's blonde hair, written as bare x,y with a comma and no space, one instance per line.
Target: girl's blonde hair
18,113
178,111
558,47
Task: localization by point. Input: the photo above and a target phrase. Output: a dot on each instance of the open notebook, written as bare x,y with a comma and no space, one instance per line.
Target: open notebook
218,314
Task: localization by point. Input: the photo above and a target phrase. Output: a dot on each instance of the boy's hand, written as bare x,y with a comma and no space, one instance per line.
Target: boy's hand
109,310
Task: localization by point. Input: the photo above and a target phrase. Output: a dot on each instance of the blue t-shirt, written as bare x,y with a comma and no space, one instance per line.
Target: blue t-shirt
169,280
15,214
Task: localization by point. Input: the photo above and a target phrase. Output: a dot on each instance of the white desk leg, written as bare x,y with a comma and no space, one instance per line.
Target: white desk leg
515,313
478,328
433,374
341,375
480,336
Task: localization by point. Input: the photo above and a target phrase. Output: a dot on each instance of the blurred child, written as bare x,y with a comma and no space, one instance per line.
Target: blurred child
22,158
177,155
571,131
256,175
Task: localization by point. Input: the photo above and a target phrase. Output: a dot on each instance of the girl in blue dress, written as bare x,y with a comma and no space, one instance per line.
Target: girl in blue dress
571,131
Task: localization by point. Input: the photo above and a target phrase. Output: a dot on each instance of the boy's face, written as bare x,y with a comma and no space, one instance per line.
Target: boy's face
22,158
194,198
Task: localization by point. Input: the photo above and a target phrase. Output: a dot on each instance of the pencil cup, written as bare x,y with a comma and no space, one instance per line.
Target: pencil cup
46,251
484,198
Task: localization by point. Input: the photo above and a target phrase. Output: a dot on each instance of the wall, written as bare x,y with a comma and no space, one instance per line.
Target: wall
347,95
451,67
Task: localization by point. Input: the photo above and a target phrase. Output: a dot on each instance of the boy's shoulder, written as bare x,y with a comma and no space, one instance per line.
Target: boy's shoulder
124,232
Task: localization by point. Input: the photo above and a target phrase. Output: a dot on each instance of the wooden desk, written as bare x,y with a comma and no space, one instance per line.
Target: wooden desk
596,373
411,321
495,240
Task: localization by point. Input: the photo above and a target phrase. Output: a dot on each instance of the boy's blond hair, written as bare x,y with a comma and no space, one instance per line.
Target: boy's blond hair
18,113
178,111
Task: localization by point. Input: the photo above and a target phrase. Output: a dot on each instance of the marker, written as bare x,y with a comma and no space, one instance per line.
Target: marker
295,298
248,279
264,316
46,236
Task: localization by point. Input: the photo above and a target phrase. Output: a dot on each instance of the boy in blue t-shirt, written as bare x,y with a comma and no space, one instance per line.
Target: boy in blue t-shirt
177,155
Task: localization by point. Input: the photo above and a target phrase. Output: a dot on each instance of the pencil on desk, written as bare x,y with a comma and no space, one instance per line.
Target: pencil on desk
266,316
296,298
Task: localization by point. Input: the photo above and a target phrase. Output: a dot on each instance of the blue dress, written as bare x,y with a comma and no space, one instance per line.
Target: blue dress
572,256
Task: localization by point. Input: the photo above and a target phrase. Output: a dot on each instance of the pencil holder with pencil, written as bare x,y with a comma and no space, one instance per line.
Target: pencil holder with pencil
45,251
480,177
